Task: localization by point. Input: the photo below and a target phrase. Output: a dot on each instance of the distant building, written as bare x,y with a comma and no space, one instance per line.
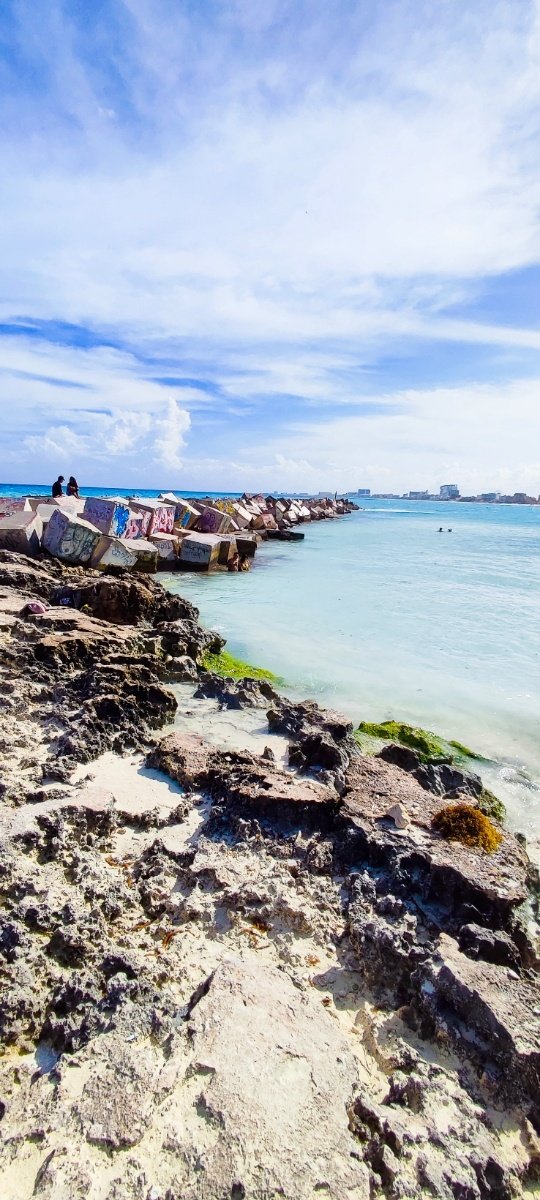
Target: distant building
418,496
364,492
490,497
449,491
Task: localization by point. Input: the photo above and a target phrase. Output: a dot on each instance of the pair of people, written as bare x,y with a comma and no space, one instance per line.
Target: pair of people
71,490
238,563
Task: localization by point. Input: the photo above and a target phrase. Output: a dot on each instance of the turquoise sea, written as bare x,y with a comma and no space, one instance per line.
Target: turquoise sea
380,615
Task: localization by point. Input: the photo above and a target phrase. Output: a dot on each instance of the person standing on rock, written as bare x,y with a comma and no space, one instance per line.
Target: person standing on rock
57,489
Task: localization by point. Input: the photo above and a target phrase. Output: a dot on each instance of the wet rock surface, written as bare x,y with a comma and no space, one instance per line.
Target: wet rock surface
223,978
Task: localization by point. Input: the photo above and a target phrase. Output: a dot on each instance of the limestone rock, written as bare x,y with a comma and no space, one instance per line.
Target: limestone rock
275,1077
500,1011
184,757
399,815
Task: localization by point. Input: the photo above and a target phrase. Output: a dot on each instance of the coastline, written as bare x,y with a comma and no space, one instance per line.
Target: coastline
171,898
364,618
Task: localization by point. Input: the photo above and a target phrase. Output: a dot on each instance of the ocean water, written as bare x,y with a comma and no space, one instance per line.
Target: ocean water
380,615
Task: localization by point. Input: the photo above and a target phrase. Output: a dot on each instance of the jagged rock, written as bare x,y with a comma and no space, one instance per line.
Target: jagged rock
446,875
246,693
184,636
316,752
125,601
184,757
320,739
492,945
252,787
442,778
491,1016
292,719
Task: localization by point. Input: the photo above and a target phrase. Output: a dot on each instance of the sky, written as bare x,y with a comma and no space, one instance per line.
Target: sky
285,245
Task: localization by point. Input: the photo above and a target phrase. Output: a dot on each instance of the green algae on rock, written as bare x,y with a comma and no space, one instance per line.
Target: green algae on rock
429,746
491,806
229,667
466,823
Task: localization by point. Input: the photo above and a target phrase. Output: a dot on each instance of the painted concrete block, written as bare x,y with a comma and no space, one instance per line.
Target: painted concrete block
146,555
213,521
111,516
166,545
134,527
200,550
21,531
160,516
185,515
13,504
70,538
111,552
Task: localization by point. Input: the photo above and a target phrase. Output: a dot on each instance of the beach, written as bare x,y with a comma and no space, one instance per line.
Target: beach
207,883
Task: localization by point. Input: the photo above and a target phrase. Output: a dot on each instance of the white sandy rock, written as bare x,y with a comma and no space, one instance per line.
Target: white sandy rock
399,815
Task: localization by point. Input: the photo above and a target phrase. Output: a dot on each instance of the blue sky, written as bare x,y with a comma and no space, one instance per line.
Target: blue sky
279,245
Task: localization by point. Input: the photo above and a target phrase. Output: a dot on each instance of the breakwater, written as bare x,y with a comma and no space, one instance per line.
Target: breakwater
145,534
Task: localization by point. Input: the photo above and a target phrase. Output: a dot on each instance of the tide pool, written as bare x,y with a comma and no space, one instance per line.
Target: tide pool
381,616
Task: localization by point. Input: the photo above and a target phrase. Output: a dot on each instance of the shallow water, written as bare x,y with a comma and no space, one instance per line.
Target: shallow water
381,616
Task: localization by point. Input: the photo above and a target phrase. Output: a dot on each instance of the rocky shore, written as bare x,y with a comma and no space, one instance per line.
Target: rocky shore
240,972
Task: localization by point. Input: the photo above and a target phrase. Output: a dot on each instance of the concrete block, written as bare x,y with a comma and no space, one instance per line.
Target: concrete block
111,552
242,516
13,504
111,516
166,545
185,515
146,555
159,517
200,551
268,520
45,511
134,527
227,547
212,520
246,545
70,538
21,531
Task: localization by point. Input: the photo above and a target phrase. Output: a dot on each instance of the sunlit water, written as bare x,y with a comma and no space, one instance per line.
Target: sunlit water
381,616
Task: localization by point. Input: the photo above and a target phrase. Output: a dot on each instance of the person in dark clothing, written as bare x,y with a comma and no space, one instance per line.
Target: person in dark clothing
57,489
72,487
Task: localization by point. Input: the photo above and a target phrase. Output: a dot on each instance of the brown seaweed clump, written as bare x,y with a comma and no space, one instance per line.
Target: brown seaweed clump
467,824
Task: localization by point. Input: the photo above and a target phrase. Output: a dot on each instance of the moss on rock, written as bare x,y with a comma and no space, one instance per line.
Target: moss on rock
491,806
467,824
429,746
229,667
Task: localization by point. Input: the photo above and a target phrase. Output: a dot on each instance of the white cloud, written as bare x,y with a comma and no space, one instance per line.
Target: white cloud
484,437
171,430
